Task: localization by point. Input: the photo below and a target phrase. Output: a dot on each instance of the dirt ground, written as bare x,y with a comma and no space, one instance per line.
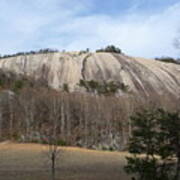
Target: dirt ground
31,162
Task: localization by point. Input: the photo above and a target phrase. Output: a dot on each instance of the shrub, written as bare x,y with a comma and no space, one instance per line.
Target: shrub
19,84
61,143
65,87
110,49
1,83
106,88
168,60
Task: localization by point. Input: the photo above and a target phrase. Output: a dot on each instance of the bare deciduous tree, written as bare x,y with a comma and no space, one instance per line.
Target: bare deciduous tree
53,152
52,132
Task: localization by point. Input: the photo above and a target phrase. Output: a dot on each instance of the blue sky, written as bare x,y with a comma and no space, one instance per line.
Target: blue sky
144,28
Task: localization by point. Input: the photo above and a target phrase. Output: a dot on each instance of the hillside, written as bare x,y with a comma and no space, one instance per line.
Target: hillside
142,76
88,97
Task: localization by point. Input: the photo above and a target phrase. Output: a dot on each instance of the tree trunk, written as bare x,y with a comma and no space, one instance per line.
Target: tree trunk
177,175
0,124
53,166
62,120
10,117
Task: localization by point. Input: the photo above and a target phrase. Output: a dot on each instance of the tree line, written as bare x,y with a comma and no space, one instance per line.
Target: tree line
168,60
41,51
111,49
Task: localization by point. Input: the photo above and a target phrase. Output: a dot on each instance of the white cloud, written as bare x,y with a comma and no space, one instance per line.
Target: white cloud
60,23
147,35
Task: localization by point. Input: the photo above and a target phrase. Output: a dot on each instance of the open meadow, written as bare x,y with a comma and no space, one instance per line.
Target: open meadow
31,162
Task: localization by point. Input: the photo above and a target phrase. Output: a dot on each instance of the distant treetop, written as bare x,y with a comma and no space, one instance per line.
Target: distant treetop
168,60
111,49
41,51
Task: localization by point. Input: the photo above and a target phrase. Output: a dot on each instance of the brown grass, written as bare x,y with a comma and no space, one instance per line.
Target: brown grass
30,162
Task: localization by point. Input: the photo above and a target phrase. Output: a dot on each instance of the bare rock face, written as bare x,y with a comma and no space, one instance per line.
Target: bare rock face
142,76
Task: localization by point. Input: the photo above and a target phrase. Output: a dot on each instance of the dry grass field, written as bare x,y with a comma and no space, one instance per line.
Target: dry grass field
30,162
